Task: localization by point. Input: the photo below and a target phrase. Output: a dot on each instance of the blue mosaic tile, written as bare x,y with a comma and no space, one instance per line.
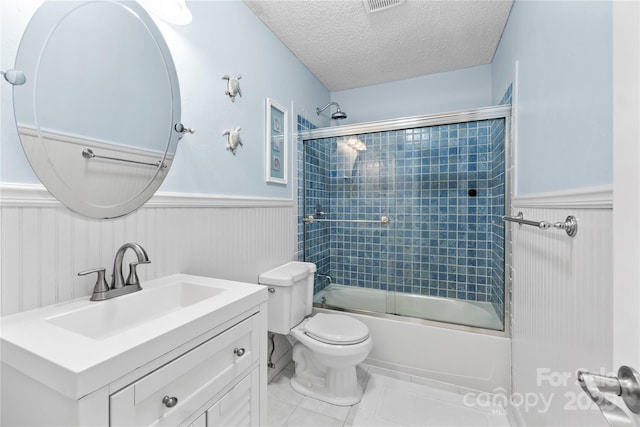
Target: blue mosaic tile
442,240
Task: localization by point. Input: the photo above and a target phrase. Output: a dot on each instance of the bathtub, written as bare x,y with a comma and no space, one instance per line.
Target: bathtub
468,357
477,314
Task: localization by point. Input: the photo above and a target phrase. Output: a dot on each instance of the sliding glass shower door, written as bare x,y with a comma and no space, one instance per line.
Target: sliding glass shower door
408,221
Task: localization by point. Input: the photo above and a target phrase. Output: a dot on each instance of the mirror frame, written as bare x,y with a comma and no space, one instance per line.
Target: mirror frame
42,23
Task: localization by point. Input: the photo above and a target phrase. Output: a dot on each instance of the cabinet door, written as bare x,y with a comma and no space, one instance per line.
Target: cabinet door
201,421
240,407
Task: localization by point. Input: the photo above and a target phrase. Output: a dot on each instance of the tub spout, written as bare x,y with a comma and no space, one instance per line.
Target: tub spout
325,276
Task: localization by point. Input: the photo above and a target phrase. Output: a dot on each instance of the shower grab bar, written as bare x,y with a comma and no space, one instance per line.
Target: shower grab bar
570,225
384,220
88,153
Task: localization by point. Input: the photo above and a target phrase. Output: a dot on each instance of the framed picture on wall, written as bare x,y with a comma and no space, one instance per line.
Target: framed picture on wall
277,125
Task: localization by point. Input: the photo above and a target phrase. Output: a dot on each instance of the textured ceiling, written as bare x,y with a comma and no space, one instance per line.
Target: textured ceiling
346,47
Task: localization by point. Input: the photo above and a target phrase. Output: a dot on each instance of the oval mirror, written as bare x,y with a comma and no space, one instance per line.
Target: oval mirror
96,115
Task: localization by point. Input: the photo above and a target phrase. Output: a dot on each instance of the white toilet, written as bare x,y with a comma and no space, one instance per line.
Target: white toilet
326,347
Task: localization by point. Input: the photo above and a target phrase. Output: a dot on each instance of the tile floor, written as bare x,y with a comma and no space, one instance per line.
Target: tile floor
286,407
391,399
390,402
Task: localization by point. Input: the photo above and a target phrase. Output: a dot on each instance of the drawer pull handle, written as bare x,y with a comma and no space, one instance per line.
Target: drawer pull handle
238,352
170,402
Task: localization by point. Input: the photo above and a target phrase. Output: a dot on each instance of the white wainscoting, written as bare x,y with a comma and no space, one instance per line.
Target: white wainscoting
562,305
43,244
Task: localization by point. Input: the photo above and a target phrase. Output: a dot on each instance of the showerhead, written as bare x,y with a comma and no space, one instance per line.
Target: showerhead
338,115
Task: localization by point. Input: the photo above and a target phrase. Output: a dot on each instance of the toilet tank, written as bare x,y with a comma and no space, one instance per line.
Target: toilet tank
292,296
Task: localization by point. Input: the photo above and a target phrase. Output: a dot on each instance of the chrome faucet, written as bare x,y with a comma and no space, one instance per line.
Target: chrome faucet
117,281
102,291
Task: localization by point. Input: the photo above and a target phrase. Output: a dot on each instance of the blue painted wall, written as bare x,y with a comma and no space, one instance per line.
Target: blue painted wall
225,37
436,93
563,95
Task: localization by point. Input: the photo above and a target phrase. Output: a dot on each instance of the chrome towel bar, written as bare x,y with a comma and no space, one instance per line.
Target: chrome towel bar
570,225
88,153
384,220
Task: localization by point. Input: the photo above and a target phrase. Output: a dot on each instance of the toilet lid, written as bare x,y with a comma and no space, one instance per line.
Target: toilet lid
336,329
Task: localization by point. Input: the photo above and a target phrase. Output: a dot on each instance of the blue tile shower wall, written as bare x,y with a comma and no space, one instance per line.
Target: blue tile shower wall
497,194
302,125
313,167
442,187
498,252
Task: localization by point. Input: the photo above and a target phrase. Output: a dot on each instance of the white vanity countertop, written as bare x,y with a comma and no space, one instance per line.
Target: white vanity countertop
76,364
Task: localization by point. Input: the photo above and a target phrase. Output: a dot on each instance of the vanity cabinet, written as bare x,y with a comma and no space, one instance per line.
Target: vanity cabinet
173,393
209,369
238,408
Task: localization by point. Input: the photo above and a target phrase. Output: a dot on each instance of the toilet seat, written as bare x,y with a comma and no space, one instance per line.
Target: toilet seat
336,329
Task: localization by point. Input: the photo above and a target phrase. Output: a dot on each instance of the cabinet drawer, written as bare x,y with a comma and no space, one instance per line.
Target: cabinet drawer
193,379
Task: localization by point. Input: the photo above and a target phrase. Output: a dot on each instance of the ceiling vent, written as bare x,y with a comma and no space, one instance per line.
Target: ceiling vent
378,5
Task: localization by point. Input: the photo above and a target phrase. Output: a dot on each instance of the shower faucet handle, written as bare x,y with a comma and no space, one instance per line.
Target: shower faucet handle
319,212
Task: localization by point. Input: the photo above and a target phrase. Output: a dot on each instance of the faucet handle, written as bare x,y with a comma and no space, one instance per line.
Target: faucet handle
132,278
101,283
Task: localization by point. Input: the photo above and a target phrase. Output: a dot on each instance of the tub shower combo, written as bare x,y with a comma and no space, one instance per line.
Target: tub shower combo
403,218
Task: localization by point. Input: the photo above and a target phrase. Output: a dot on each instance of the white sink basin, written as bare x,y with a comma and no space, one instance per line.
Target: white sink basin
104,319
78,346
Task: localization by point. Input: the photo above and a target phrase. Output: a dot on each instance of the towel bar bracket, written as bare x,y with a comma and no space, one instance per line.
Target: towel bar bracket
570,225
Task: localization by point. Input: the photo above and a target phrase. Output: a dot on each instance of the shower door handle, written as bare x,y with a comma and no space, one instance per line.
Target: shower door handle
625,385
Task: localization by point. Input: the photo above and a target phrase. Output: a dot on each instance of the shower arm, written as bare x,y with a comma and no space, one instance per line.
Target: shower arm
320,110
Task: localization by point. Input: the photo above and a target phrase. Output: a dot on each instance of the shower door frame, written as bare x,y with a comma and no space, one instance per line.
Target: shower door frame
439,119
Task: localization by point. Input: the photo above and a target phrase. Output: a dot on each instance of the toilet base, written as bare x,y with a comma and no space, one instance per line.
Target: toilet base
314,386
335,385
